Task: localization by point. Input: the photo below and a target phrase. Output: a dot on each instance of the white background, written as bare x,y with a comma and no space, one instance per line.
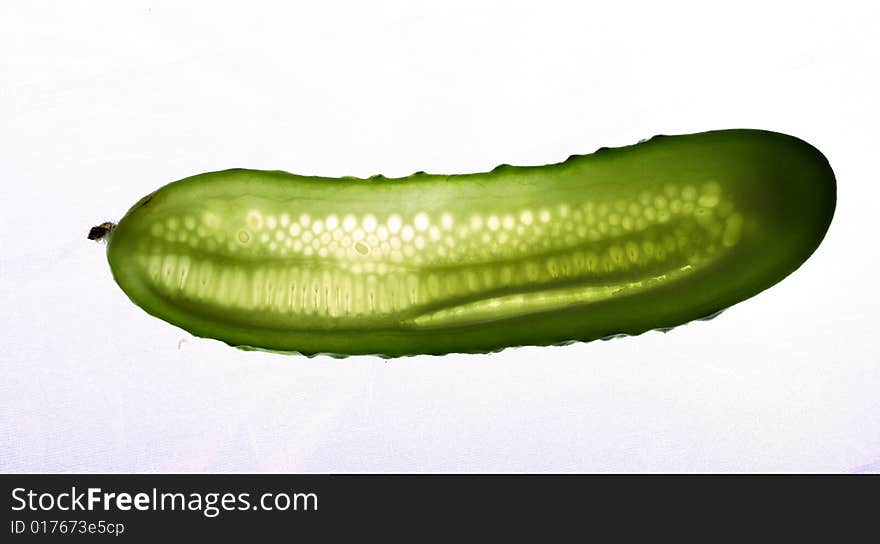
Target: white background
103,102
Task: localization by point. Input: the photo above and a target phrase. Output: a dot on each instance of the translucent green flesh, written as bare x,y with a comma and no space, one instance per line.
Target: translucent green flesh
431,264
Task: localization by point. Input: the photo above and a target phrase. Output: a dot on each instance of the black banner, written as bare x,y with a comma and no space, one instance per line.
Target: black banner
97,507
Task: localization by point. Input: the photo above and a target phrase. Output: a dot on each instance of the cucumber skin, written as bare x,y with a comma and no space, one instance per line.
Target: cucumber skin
784,188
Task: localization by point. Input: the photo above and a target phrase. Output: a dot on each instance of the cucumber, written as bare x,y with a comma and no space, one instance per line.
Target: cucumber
618,242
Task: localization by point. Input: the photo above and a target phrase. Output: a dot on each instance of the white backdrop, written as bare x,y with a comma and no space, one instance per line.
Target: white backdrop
102,102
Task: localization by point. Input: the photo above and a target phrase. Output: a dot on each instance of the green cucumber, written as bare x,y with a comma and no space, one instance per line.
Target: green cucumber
622,241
